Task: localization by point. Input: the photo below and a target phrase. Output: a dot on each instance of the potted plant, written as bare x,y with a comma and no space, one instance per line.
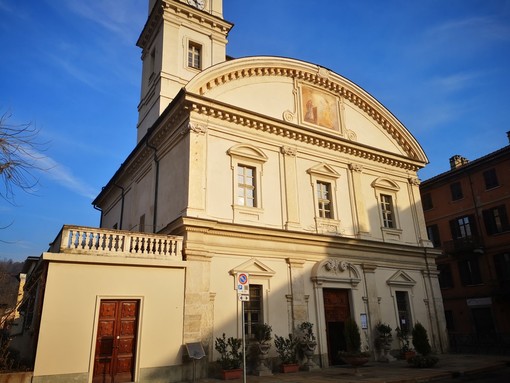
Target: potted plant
383,341
406,352
421,343
262,336
353,354
287,351
231,357
307,343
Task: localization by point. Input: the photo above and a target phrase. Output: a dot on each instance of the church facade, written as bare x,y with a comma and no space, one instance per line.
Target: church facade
273,167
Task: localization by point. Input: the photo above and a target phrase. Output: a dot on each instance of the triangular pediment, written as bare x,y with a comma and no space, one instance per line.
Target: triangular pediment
401,278
324,170
253,267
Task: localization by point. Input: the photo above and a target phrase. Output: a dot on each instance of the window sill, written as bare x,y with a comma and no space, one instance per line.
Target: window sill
327,226
391,234
245,213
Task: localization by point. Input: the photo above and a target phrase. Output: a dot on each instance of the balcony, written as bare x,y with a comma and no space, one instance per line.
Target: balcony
116,243
471,244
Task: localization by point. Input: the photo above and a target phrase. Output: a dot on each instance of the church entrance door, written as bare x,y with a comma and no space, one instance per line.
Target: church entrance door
114,359
337,311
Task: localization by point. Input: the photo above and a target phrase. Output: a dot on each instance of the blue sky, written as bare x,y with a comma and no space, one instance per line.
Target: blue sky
72,69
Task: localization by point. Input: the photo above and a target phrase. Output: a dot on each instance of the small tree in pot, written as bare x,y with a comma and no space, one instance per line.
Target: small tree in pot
421,343
231,356
287,351
307,343
353,356
262,335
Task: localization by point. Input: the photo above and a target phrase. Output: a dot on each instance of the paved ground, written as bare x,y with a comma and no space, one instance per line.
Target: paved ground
449,366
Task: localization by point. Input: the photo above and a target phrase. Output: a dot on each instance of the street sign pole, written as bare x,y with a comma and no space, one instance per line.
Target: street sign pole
244,342
243,295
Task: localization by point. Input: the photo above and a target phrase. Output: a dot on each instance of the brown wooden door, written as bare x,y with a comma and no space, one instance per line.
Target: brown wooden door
116,341
336,310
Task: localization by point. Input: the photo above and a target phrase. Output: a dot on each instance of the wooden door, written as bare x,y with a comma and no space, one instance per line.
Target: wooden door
336,310
116,341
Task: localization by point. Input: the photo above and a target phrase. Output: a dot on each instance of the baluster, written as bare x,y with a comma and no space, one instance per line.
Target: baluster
69,239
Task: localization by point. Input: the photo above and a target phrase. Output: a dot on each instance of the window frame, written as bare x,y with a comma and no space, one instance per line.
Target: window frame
434,235
496,223
387,187
250,156
194,51
249,189
460,230
456,192
325,174
408,311
469,271
490,178
427,202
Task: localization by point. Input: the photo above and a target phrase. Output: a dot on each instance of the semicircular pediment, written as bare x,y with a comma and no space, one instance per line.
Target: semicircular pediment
308,95
337,271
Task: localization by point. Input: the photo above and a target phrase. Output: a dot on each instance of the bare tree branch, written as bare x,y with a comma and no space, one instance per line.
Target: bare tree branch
18,157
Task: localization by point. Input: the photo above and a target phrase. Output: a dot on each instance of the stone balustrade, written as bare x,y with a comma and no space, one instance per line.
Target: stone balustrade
106,242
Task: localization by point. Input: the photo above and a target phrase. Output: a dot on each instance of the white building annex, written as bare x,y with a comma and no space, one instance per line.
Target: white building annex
272,166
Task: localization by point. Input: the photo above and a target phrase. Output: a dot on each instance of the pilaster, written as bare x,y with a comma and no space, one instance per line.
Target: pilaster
361,216
290,187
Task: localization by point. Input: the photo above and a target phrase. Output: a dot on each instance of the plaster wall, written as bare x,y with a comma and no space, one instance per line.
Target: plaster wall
69,319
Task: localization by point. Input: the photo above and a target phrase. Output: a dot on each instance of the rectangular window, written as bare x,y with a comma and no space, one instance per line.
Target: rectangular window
456,191
194,55
426,201
496,220
388,215
491,179
433,233
246,195
445,276
450,324
462,227
324,199
502,263
404,313
470,272
253,310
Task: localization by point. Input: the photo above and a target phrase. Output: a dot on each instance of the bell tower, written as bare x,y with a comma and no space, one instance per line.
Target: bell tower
179,40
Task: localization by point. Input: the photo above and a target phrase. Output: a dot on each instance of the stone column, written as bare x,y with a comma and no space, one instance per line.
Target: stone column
290,187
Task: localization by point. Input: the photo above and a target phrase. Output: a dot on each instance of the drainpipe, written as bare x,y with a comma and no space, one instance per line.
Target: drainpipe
121,206
101,216
156,186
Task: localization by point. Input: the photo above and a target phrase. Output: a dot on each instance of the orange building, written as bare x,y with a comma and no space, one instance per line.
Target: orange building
467,215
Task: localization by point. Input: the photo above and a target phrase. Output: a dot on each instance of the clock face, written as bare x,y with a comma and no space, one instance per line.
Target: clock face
200,4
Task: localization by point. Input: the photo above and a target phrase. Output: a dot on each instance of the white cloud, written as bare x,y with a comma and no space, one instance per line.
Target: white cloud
60,174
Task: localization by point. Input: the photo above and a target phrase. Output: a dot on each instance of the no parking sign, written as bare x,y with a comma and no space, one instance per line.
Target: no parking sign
243,286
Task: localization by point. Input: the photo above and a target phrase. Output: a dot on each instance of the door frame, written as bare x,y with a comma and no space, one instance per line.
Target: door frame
335,273
95,326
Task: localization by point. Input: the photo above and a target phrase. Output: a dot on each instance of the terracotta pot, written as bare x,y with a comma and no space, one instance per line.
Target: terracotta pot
409,355
286,368
232,374
355,360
